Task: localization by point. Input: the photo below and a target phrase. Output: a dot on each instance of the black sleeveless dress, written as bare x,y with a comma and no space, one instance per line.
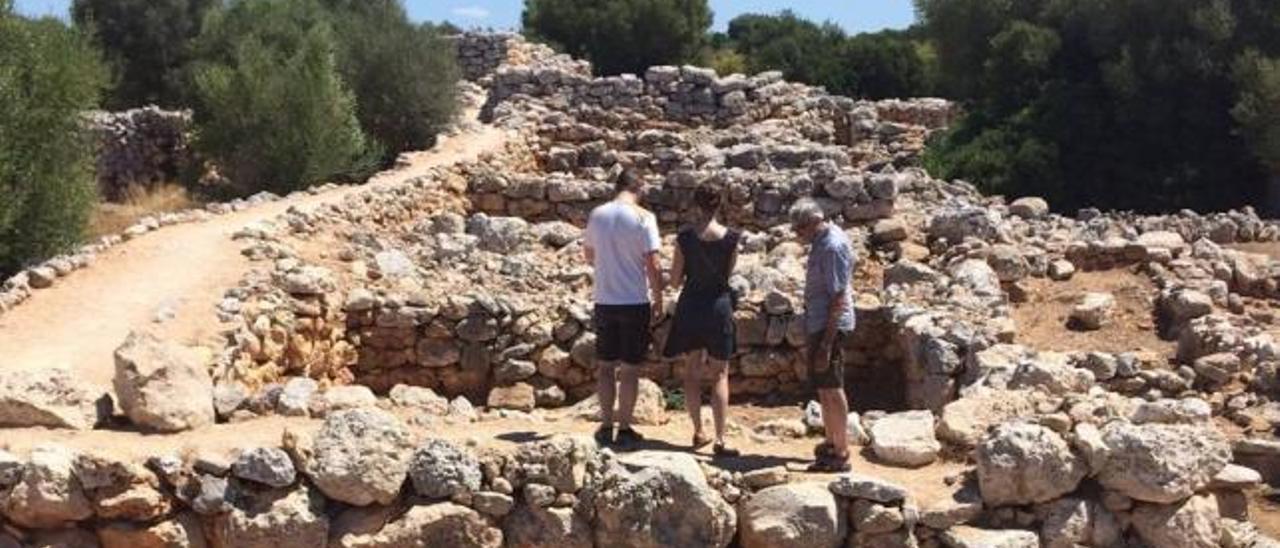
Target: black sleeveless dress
704,313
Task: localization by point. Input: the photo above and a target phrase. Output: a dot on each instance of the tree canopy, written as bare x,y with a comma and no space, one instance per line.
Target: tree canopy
146,42
1150,105
621,36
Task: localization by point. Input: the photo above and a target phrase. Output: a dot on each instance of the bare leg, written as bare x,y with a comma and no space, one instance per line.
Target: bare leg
693,391
720,397
628,388
606,388
835,417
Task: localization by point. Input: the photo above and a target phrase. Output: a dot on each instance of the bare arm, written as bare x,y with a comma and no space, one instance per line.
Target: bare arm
677,269
653,267
590,253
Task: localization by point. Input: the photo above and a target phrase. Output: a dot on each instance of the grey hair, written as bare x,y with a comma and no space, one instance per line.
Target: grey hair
806,212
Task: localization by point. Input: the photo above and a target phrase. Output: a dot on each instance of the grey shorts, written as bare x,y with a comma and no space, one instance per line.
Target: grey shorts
826,371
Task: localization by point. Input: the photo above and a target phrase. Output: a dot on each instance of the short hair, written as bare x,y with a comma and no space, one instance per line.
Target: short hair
806,212
708,198
629,179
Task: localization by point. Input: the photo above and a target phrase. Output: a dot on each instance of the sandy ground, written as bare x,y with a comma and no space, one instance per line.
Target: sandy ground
1042,320
79,322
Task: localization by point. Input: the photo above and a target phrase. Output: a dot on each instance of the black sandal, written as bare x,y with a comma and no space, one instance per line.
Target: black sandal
830,465
722,450
823,450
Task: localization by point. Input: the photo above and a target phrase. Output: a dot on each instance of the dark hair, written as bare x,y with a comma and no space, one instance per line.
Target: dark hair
708,199
629,179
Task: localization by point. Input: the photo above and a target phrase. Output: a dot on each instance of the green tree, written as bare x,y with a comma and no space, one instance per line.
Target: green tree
621,36
404,76
883,65
1120,103
1258,109
273,111
49,75
803,50
147,43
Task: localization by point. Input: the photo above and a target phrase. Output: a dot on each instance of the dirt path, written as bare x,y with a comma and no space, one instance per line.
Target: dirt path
184,269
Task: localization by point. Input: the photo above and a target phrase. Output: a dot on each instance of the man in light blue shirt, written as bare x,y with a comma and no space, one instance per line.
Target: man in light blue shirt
829,322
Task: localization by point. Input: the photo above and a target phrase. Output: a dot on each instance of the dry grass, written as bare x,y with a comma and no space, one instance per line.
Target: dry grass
113,218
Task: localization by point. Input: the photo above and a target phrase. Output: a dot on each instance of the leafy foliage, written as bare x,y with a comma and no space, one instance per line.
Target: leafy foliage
620,36
273,111
49,74
147,43
874,65
1134,104
404,76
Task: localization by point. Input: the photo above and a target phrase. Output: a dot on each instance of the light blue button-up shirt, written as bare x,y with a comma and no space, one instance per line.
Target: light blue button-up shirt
828,273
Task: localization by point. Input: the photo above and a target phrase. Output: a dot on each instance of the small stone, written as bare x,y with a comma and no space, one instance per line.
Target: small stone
266,465
1093,311
855,486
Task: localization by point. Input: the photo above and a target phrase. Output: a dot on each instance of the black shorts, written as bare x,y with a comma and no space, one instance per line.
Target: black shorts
622,333
826,371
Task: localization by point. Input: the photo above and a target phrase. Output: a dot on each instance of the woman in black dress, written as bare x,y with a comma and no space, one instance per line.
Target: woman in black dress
703,331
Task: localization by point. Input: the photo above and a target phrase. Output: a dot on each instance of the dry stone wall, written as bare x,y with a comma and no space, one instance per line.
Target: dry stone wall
142,147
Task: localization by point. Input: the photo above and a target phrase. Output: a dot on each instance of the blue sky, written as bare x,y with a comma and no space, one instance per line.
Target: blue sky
853,15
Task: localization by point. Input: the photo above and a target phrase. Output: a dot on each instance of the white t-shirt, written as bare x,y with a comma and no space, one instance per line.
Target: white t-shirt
622,235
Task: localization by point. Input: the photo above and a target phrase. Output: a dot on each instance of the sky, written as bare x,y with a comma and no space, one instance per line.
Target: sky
854,15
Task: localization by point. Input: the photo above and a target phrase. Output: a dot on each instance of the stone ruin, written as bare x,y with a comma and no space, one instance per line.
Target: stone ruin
406,305
142,147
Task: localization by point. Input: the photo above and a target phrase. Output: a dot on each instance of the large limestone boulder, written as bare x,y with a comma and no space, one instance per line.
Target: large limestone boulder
536,527
47,494
798,515
1024,463
442,470
441,524
181,531
1052,373
48,397
162,385
651,406
966,420
1029,207
1162,463
276,518
1193,523
972,537
905,439
1092,312
661,499
360,457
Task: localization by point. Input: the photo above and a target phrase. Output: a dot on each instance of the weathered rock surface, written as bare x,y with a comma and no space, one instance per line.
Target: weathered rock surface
162,385
792,515
1193,523
906,438
662,500
51,397
47,494
361,457
272,519
1023,463
441,470
1161,463
440,524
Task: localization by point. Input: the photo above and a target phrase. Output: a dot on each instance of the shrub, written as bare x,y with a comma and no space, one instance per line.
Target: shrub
49,74
272,111
404,76
621,36
147,44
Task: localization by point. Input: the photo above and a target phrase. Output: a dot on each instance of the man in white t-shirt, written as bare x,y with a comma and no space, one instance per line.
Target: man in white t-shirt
622,245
